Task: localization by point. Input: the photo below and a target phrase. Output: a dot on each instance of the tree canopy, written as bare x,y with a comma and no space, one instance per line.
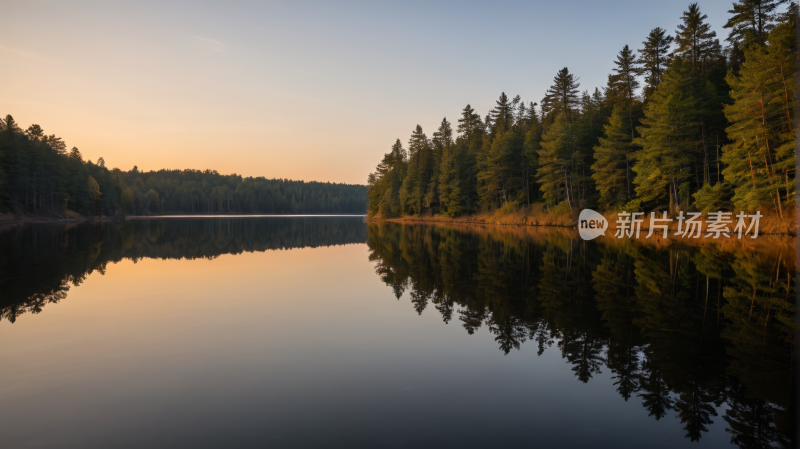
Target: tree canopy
682,123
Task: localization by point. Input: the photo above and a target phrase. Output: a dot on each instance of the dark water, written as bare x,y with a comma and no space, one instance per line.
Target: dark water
329,332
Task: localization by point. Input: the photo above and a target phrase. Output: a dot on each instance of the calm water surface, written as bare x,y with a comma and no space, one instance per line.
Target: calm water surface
330,332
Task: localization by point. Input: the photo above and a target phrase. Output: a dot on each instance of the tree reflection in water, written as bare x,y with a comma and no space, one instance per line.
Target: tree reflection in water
691,331
39,263
683,327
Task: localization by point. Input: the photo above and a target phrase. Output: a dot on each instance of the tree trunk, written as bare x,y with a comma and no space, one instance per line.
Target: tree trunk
566,189
766,135
705,154
786,99
718,171
628,176
696,174
787,186
673,196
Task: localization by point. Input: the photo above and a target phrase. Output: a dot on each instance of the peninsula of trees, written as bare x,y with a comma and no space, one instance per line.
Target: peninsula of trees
683,123
39,176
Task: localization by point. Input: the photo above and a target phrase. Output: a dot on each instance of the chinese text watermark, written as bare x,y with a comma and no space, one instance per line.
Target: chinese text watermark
689,225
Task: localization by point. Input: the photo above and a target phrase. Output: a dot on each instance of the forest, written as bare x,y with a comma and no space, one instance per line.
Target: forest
195,191
682,124
39,176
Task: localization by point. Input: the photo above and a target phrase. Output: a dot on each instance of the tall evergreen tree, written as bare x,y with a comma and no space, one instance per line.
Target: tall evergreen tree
502,114
383,193
469,123
760,157
668,138
555,162
490,170
623,85
412,192
654,58
626,79
562,97
610,169
588,130
752,21
557,156
443,148
532,145
695,39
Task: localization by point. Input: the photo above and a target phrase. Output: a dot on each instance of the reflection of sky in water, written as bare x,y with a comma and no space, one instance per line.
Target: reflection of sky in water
301,347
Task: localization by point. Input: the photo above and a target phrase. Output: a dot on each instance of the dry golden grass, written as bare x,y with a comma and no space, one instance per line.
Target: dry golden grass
536,215
768,247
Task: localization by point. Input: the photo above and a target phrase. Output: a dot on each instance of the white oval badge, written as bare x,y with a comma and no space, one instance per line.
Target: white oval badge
591,224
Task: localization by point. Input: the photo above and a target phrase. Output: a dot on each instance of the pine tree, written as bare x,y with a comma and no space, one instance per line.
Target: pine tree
588,130
627,76
562,97
654,58
501,160
696,42
752,21
490,182
555,162
384,185
532,145
760,157
521,118
502,114
750,24
469,123
668,138
627,82
450,194
610,169
468,147
412,192
621,92
443,148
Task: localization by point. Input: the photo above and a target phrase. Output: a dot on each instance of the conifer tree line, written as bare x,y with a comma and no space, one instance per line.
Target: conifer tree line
683,123
38,175
198,191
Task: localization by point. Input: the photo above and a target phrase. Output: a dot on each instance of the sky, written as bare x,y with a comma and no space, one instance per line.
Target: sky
317,91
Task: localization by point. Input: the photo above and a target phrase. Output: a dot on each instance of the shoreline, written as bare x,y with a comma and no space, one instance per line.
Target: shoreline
768,225
27,220
240,215
4,220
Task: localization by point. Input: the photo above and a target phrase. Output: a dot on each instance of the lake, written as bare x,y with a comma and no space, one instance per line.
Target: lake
332,332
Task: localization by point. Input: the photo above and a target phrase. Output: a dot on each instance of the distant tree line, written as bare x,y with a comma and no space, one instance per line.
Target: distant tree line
38,175
684,123
196,191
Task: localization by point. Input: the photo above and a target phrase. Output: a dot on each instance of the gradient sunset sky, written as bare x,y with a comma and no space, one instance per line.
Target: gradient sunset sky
300,90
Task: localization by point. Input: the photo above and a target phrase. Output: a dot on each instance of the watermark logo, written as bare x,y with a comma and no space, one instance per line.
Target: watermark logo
591,224
689,225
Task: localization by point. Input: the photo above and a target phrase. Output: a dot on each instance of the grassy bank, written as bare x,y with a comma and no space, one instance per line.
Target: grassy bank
536,215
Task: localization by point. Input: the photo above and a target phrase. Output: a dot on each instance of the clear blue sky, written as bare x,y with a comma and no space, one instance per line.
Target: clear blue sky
302,90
